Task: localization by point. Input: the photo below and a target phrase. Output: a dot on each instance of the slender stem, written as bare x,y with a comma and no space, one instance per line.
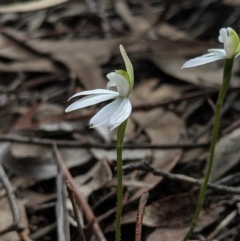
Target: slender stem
120,136
226,79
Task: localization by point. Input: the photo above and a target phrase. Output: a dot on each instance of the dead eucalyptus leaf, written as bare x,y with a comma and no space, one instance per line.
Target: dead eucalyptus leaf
30,6
6,218
169,234
232,2
172,211
81,57
227,154
149,91
37,162
135,154
162,127
204,76
94,179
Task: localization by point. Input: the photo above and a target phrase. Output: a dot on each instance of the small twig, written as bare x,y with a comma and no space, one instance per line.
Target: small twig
66,143
178,177
223,224
7,229
231,127
71,193
17,222
140,213
43,231
11,197
231,232
24,236
10,193
60,205
82,202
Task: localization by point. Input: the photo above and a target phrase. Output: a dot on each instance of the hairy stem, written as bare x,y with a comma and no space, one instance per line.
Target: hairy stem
226,79
120,136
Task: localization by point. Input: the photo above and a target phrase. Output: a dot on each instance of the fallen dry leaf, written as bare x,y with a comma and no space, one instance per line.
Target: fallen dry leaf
162,127
171,32
6,218
232,2
94,179
227,154
38,65
149,91
137,24
172,211
135,154
32,198
30,6
81,57
24,59
168,234
38,162
204,76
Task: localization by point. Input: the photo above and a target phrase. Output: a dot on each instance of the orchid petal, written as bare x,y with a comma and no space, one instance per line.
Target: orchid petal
120,82
90,100
205,59
93,92
219,51
105,113
121,113
223,35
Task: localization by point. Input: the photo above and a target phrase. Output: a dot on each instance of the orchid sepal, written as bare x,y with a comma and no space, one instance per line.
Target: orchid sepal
128,65
231,49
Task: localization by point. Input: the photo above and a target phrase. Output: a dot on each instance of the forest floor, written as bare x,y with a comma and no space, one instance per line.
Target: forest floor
50,50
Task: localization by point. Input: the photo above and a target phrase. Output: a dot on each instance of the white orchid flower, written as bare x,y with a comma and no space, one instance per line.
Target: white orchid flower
230,40
117,111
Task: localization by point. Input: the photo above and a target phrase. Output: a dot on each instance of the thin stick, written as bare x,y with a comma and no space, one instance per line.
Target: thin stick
17,222
82,202
222,225
60,205
178,177
67,143
140,213
71,193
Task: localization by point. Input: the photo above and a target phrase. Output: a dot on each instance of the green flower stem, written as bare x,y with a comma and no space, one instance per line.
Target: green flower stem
226,79
120,136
